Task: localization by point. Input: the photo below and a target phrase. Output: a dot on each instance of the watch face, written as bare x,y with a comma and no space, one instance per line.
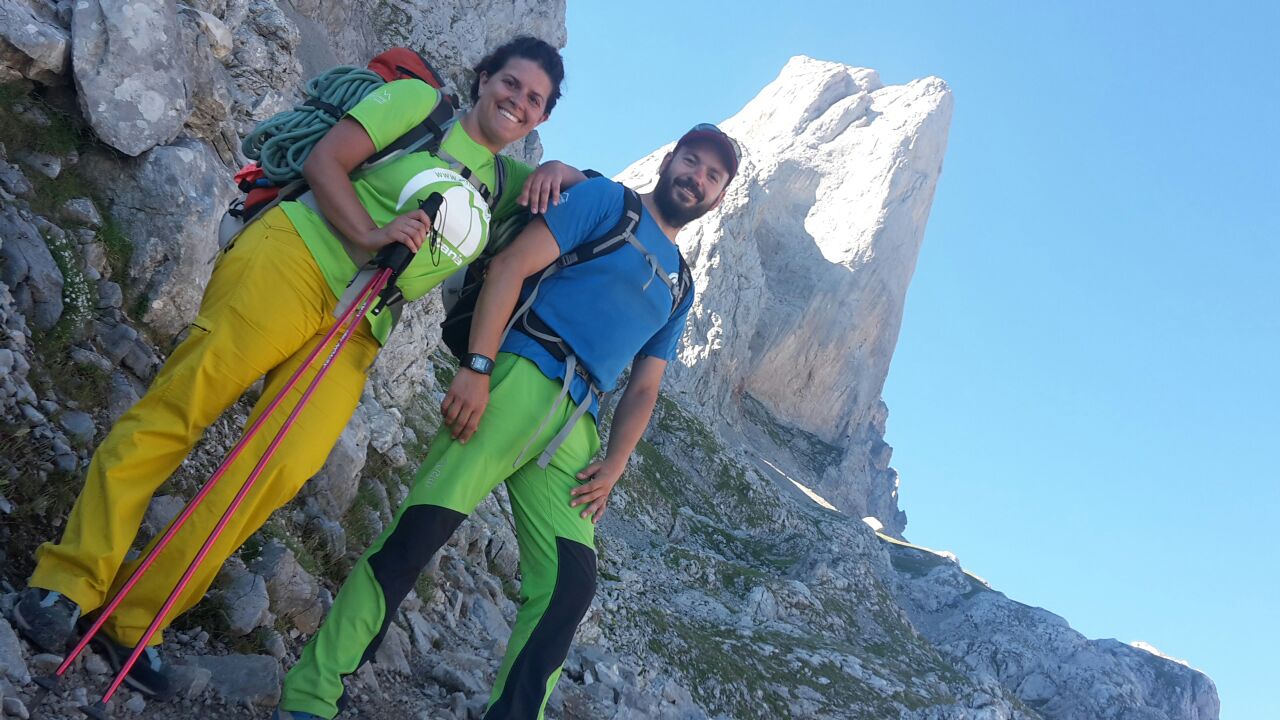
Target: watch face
480,364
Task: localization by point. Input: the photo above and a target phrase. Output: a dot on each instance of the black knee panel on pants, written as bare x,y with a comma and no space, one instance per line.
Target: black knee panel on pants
548,645
421,531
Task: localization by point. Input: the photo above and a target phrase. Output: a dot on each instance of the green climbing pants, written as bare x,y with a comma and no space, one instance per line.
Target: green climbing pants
557,549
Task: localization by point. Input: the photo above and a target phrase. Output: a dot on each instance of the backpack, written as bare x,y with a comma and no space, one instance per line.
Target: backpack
280,145
460,299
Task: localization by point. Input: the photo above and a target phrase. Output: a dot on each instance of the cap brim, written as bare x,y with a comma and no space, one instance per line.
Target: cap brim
720,141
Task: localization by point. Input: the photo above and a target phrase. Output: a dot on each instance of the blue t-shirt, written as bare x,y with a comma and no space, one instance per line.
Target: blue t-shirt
602,307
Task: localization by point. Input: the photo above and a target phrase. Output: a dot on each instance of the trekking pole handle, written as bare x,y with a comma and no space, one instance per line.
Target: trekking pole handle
394,255
397,256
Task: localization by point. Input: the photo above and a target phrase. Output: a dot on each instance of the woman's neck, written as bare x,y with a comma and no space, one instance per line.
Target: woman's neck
471,125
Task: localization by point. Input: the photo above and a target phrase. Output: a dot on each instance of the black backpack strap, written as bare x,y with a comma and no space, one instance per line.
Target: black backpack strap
499,180
427,135
684,285
612,240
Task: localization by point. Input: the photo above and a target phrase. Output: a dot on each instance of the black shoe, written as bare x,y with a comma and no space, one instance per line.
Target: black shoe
148,676
46,618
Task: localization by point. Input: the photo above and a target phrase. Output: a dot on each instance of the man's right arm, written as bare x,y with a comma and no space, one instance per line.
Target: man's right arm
531,251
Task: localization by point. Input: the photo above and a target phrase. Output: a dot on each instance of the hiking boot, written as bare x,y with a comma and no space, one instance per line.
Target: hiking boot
148,676
46,618
295,715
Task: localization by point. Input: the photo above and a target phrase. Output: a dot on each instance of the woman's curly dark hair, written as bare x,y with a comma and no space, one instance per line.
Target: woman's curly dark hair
529,48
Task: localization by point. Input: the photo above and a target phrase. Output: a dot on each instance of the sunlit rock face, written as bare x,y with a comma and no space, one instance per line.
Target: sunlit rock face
802,271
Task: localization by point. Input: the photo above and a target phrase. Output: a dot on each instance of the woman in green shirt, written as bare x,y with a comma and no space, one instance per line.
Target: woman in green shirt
271,299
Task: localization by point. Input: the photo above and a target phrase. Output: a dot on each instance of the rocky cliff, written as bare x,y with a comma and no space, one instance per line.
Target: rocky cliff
737,577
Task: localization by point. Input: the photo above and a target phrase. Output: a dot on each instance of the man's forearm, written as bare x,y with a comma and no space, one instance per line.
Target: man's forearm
629,422
497,301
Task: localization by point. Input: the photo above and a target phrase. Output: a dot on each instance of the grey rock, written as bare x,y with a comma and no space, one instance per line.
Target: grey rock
14,707
136,704
81,211
129,71
330,535
32,415
273,643
95,664
187,185
393,653
215,30
245,603
141,359
88,358
293,591
459,672
31,43
189,681
66,462
161,511
110,295
48,165
95,255
44,663
122,395
489,617
11,656
79,425
115,341
243,680
385,429
14,182
29,270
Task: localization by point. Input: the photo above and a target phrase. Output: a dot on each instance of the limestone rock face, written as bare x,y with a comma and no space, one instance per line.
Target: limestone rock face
130,77
802,271
1037,656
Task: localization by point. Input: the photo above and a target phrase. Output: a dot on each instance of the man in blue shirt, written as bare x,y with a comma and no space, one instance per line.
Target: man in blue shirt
515,413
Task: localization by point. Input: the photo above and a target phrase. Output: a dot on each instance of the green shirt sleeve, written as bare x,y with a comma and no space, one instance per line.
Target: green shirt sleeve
394,109
517,173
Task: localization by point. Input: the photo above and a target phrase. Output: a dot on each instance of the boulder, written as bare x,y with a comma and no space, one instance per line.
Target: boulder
294,593
130,71
168,202
29,270
32,43
243,680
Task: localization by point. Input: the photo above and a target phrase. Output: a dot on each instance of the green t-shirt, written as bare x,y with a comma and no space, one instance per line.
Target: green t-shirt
397,187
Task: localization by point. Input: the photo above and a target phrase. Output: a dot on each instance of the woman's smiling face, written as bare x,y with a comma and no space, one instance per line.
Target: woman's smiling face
512,101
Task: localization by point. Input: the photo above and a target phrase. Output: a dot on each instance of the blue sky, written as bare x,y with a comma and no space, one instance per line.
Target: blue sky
1083,402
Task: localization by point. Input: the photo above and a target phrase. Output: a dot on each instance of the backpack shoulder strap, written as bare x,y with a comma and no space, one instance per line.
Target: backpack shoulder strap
684,285
612,240
499,180
427,134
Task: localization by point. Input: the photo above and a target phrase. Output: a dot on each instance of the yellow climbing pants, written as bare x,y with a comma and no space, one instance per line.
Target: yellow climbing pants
266,307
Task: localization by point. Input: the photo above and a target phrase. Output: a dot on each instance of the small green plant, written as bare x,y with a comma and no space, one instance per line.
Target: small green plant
119,247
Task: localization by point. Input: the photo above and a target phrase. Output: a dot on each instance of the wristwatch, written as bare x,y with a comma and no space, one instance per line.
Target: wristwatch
477,363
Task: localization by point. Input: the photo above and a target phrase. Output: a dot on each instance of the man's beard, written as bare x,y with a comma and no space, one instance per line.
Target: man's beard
675,214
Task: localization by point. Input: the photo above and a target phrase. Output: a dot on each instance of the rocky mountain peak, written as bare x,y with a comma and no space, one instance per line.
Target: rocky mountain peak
802,272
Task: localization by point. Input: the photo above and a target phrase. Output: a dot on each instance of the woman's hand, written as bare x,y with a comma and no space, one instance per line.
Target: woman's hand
409,229
542,188
464,403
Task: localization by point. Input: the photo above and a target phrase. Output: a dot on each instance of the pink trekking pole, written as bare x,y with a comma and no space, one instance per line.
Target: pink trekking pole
390,262
98,710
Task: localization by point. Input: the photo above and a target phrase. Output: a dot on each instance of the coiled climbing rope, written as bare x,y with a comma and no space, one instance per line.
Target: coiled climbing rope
282,143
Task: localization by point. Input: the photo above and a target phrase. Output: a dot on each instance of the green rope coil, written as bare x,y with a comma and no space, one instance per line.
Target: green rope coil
282,142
